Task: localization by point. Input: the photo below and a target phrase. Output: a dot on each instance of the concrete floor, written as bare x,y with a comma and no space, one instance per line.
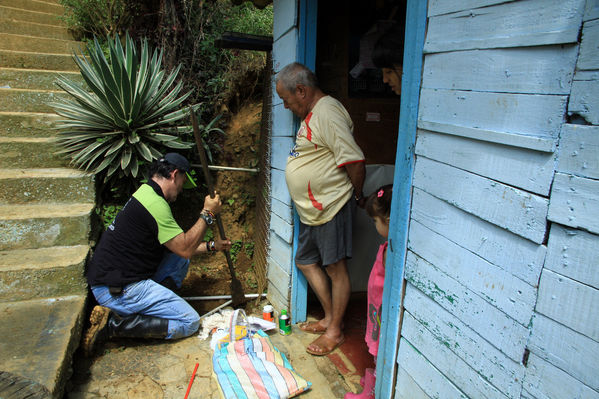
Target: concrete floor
156,369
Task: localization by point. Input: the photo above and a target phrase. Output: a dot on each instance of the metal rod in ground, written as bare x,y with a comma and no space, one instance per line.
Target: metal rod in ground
216,309
217,297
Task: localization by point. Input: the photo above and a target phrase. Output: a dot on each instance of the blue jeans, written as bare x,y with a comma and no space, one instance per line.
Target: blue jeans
148,297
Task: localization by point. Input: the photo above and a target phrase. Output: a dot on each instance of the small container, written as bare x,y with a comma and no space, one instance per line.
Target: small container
284,323
268,313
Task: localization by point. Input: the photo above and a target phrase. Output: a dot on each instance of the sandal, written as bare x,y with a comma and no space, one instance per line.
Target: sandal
325,344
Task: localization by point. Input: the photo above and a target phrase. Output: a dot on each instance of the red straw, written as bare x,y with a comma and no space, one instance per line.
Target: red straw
191,381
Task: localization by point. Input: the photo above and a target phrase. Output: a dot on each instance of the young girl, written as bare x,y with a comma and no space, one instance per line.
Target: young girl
378,206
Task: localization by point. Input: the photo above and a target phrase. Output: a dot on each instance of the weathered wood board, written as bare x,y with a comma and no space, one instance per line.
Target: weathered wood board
545,381
493,365
574,254
283,229
281,252
512,209
280,147
278,285
285,17
533,70
525,169
282,210
592,10
514,24
499,288
278,186
525,114
566,349
282,120
406,387
438,7
584,100
579,150
518,256
283,53
588,58
489,322
570,303
433,383
574,202
438,353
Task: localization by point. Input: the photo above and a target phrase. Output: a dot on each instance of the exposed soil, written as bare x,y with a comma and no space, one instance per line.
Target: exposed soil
209,274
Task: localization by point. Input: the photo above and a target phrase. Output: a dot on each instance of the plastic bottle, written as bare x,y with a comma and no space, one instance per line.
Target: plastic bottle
284,323
268,313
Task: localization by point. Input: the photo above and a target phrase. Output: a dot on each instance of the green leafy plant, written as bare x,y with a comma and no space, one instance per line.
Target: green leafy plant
107,213
235,248
249,249
98,17
126,116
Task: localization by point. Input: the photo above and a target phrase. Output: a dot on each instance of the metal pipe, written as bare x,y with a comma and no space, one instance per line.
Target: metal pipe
230,168
217,297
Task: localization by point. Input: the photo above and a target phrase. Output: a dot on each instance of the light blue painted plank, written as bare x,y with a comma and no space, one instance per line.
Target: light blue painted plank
569,302
447,362
592,10
578,150
574,202
284,50
566,349
285,17
406,387
523,114
522,168
499,288
439,7
279,149
282,122
574,253
518,256
402,188
431,380
299,284
281,228
589,51
277,299
515,210
584,100
545,381
282,210
534,70
279,277
496,327
494,366
514,24
279,186
280,252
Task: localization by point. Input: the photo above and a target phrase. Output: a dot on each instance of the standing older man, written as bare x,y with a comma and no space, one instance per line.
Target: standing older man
325,173
143,256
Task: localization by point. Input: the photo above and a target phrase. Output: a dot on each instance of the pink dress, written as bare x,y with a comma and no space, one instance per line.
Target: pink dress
376,282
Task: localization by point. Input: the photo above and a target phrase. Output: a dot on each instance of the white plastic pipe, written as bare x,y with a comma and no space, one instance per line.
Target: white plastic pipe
217,297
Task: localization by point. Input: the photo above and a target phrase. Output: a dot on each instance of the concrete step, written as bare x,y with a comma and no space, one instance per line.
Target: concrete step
34,29
27,124
25,152
42,273
24,59
9,41
23,186
15,78
27,100
44,225
9,11
39,338
34,5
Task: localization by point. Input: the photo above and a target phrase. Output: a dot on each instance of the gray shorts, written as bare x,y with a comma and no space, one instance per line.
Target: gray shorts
327,243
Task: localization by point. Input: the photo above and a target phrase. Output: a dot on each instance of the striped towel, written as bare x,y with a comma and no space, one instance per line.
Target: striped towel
254,368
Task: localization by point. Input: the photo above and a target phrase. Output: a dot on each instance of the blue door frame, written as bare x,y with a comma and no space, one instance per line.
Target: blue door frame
402,185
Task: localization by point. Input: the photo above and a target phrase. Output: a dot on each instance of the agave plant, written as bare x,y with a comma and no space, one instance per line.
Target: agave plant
127,113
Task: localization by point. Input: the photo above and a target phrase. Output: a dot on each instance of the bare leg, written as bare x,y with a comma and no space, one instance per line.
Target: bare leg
319,282
334,302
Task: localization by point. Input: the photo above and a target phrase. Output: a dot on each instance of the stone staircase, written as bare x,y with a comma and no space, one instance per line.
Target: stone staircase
45,207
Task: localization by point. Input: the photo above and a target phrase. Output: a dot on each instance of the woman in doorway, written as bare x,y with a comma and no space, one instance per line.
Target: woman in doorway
388,55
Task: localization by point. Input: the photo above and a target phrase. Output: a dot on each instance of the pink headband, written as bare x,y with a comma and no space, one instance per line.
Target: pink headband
380,193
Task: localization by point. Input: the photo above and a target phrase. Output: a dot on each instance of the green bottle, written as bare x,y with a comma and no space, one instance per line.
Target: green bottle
284,323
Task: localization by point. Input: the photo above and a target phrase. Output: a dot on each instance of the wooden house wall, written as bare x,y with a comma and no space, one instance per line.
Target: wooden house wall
285,43
502,271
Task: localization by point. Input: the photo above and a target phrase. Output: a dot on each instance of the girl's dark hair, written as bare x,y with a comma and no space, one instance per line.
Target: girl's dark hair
388,49
379,202
161,168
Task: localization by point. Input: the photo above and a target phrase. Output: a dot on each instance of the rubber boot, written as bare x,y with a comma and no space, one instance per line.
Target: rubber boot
137,326
368,391
105,324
